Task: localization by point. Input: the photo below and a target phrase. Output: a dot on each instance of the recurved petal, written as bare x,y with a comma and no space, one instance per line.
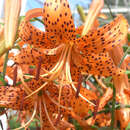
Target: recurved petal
32,35
97,64
31,56
104,38
13,97
58,21
80,106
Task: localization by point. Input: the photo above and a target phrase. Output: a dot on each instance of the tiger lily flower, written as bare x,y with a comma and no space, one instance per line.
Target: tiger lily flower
65,56
45,105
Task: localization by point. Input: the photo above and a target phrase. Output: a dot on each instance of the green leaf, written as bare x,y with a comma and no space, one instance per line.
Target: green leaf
76,124
107,80
128,36
26,80
90,112
3,81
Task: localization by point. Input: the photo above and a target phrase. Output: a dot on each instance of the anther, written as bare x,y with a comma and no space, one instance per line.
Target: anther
15,76
79,85
38,68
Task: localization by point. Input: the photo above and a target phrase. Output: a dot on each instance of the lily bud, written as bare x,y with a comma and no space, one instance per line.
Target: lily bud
12,11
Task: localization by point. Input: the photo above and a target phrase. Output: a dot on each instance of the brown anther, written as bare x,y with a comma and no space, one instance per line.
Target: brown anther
38,68
21,104
57,119
78,86
96,102
15,76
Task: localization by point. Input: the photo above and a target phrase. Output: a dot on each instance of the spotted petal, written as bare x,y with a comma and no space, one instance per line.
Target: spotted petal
32,35
13,97
104,38
97,64
58,21
31,56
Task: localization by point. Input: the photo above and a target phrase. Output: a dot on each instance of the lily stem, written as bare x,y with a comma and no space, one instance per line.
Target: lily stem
117,107
113,108
109,9
5,64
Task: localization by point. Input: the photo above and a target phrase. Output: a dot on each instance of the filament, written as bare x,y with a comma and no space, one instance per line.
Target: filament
33,115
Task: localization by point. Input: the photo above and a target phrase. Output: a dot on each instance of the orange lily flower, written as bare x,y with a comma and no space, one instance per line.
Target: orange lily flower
47,103
63,54
64,58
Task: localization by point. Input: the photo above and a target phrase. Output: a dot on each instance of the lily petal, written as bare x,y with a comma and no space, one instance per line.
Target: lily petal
32,35
30,56
104,38
13,97
58,21
97,64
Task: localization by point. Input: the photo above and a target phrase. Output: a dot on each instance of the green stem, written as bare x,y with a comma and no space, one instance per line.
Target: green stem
5,64
126,52
3,81
109,8
113,108
26,80
117,107
102,111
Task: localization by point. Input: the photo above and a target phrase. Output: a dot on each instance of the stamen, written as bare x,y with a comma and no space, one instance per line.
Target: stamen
45,108
69,77
40,110
100,82
26,88
36,90
29,76
21,103
54,50
38,68
33,115
60,91
78,85
57,119
96,102
61,106
58,67
15,76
